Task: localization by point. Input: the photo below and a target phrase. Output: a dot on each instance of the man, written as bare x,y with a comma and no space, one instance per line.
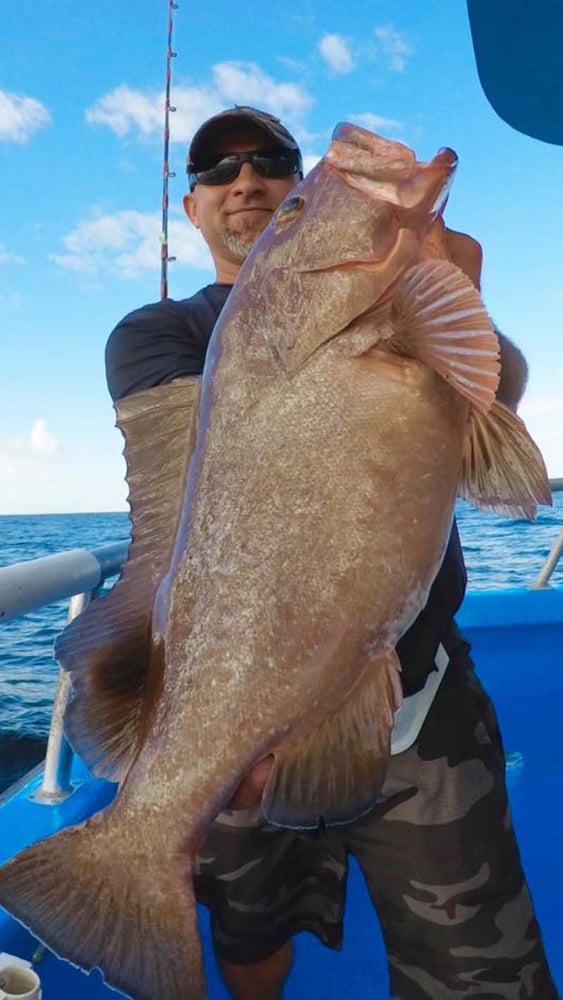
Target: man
438,853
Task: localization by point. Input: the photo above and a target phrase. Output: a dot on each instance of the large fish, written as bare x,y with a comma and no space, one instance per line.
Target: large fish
347,399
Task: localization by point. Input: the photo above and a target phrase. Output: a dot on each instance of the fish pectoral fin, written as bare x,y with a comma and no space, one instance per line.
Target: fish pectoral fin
107,649
94,900
336,772
440,319
503,470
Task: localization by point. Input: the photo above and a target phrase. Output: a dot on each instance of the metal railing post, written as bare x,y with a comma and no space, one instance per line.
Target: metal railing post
550,564
56,784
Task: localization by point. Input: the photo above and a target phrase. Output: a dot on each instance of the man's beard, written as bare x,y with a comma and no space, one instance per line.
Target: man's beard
240,244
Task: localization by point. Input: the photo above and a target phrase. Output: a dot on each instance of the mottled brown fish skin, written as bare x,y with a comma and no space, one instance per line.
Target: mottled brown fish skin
304,544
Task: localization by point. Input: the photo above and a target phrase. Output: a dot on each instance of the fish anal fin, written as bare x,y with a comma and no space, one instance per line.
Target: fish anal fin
108,649
440,319
503,470
335,773
94,896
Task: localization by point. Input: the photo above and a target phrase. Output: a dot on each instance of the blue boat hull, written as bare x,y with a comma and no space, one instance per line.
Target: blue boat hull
517,638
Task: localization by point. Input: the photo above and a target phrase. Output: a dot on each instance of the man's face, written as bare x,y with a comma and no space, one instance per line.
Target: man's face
231,216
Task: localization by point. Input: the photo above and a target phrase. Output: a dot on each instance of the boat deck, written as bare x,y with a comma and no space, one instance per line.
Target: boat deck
517,639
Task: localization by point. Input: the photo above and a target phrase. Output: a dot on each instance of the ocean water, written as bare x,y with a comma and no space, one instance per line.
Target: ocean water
28,672
500,553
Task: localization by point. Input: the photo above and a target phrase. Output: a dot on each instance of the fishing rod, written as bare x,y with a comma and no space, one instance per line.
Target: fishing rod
166,172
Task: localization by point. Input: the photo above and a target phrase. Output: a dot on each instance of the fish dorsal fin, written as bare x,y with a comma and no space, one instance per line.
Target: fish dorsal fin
503,469
336,772
440,319
107,649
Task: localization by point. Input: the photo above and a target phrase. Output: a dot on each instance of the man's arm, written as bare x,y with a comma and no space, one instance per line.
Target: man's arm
513,372
151,346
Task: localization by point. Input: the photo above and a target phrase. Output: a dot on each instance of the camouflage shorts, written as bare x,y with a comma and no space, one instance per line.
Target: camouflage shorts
438,855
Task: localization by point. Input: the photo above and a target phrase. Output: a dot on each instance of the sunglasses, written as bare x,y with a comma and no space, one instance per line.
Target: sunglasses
271,165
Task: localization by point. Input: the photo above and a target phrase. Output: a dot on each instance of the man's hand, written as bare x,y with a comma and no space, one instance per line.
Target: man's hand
467,253
460,248
249,792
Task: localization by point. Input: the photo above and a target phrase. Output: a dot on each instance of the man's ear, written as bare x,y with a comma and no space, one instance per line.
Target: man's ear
190,209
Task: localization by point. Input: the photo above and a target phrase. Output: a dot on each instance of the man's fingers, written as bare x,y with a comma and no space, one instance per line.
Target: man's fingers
460,248
249,792
467,253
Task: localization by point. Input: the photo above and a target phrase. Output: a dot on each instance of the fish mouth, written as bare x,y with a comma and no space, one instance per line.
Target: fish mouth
373,264
387,170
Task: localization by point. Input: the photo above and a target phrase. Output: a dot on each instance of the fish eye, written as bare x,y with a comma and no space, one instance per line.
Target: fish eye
290,207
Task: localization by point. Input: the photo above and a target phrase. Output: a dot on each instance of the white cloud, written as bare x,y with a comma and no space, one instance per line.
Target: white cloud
127,244
28,459
35,482
310,160
394,45
41,441
293,65
241,83
7,257
376,123
20,117
337,53
126,111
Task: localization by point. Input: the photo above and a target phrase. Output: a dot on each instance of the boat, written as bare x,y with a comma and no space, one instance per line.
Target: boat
516,637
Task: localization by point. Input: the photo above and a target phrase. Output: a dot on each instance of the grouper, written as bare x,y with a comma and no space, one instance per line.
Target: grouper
287,523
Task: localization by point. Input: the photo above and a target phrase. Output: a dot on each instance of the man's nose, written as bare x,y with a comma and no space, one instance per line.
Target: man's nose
248,180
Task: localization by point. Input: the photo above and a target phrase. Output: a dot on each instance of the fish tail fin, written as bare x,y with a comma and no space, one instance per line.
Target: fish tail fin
95,902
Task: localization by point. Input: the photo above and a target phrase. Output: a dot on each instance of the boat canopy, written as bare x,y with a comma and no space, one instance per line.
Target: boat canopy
518,48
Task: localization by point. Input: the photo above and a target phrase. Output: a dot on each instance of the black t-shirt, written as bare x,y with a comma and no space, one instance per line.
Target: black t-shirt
160,342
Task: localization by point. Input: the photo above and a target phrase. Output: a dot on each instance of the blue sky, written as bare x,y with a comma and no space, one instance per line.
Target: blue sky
81,108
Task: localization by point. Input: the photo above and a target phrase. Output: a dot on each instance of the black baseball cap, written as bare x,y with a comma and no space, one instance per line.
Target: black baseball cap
241,115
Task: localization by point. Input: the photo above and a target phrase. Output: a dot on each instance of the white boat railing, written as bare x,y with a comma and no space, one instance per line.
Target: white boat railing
549,565
80,575
26,586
